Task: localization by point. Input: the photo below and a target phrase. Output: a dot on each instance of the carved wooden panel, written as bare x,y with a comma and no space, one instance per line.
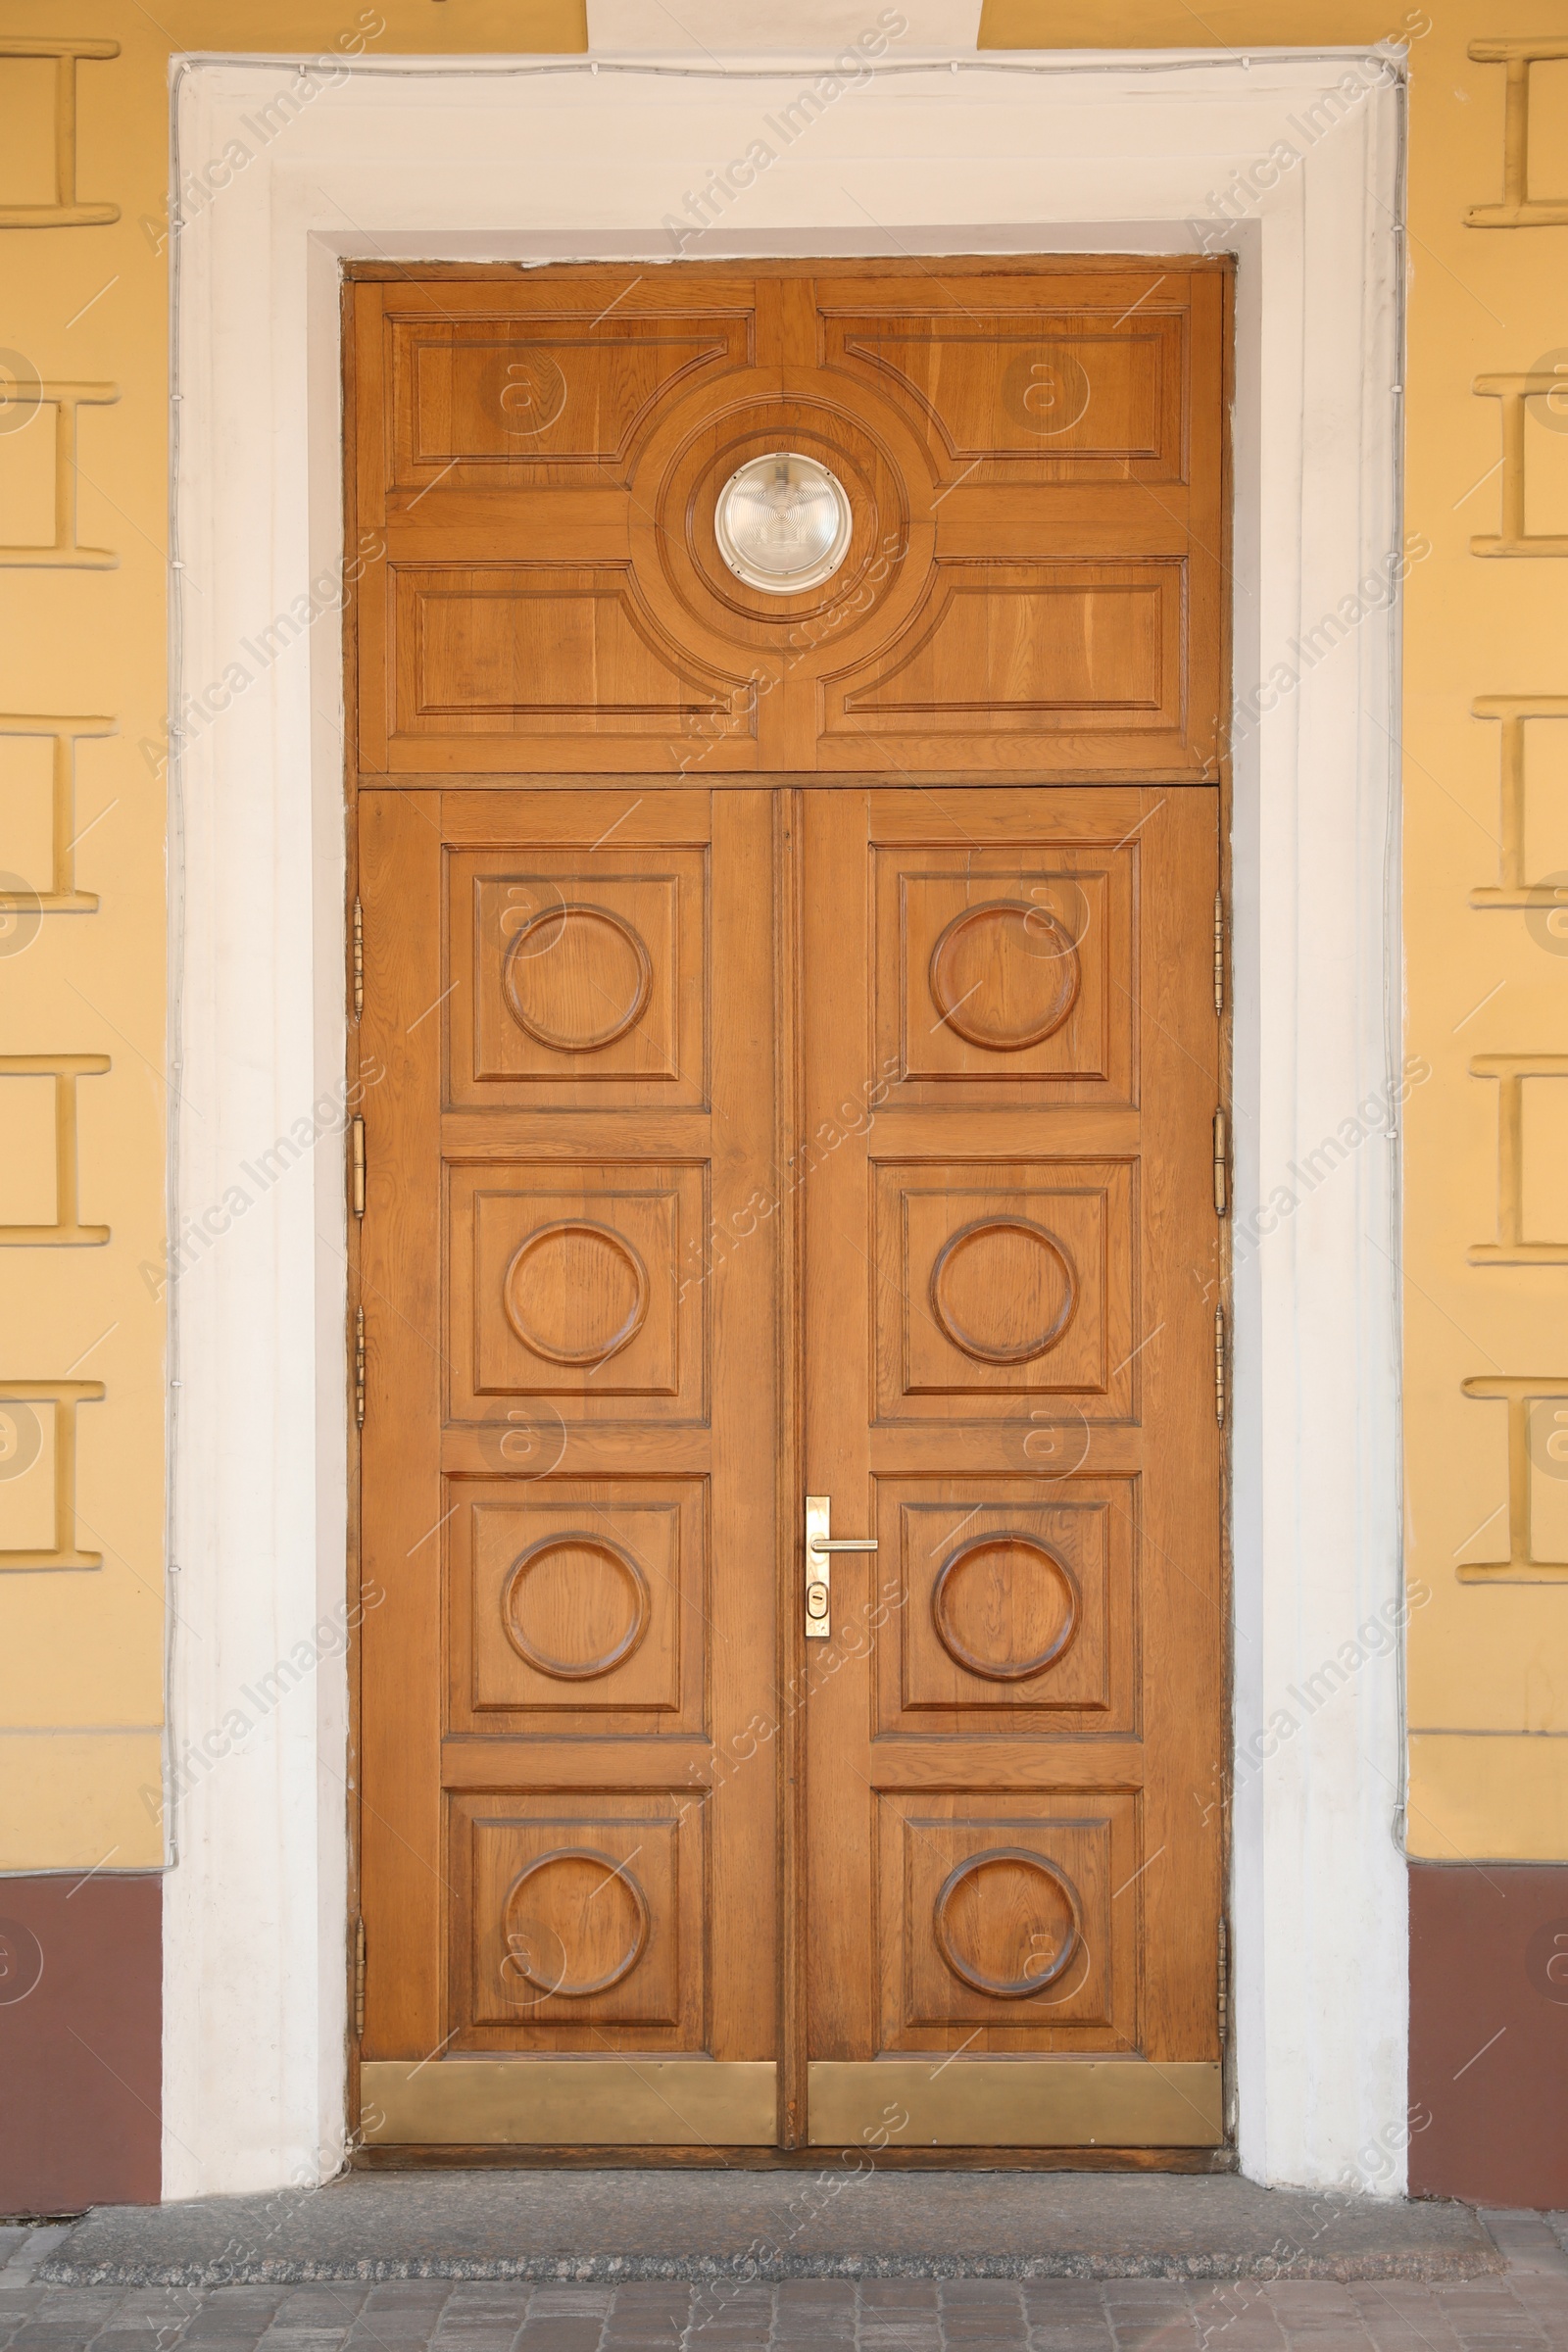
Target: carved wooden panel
580,981
1017,1604
1011,649
1004,1281
536,389
578,1602
1010,1385
1068,388
569,1545
565,1282
1003,981
740,1140
575,1913
551,649
1031,459
1003,1915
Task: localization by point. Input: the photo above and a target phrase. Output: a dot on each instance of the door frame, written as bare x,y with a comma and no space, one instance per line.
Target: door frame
449,159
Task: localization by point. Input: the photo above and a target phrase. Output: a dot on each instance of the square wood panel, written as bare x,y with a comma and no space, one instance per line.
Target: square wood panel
997,1282
579,979
541,390
1070,391
1008,976
528,665
1001,1910
1018,648
579,1598
563,1282
1018,1606
574,1912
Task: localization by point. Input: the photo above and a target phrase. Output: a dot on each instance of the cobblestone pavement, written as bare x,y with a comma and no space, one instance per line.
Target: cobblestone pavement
1522,2309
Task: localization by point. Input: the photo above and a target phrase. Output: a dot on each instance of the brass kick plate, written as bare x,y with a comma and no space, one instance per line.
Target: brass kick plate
1017,2103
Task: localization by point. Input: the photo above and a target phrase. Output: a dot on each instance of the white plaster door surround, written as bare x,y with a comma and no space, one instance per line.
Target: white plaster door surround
548,157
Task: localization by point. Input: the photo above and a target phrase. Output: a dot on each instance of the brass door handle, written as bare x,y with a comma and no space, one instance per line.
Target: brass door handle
819,1569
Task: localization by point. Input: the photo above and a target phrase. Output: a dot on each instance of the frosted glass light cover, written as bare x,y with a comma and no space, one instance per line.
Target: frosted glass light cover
783,522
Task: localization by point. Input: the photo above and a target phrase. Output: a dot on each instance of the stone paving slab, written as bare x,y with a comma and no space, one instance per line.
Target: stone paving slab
768,2226
1523,2308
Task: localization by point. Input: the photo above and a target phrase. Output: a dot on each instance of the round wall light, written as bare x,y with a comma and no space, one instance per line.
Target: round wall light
783,522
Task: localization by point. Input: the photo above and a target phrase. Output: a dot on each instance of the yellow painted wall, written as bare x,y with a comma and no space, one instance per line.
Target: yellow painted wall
82,1649
1488,1653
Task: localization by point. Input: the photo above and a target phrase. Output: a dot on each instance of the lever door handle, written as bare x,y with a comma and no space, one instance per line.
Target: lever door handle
818,1571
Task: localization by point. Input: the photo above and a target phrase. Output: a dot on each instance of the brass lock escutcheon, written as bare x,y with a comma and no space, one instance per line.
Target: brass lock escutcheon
819,1542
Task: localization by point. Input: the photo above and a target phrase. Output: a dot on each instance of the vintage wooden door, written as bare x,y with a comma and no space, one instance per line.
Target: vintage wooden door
791,1046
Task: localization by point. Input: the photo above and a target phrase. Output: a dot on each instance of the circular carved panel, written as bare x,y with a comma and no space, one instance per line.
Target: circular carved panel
576,978
575,1923
1004,975
575,1293
1004,1608
1007,1923
679,531
575,1605
1003,1291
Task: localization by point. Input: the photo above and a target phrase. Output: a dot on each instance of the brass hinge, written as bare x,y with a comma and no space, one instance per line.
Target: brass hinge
358,1976
1219,1365
359,1367
1224,1979
1221,1170
1219,950
359,960
357,1166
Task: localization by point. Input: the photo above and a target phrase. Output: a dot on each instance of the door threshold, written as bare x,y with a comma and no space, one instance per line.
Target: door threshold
534,2157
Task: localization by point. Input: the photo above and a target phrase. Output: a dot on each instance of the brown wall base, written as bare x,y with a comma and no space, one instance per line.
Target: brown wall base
80,2042
81,2025
1489,2033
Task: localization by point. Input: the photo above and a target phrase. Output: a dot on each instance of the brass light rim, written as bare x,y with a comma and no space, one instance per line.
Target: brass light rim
813,574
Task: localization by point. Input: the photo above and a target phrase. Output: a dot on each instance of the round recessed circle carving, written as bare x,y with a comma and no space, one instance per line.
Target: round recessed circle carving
575,1292
1003,1291
574,1606
1008,1923
1004,1608
575,1922
1004,975
783,522
576,978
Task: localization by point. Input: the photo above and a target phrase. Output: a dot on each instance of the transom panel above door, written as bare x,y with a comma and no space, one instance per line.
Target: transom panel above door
1033,464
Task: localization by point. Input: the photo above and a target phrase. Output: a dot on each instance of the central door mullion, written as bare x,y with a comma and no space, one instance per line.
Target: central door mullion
788,1240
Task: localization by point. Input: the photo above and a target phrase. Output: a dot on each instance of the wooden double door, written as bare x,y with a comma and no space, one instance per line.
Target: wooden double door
792,1050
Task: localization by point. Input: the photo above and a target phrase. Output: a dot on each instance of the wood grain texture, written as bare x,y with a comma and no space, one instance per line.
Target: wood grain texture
569,1816
1034,460
1011,1841
794,1056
